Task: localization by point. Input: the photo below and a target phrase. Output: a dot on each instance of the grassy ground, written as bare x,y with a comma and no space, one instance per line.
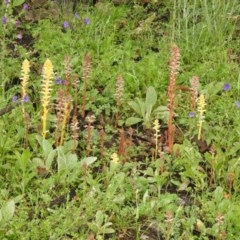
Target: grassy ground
126,126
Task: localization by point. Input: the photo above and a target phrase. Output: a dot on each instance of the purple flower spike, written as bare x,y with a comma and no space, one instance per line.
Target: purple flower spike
26,99
25,6
191,114
65,24
14,98
6,2
86,21
238,104
4,20
226,87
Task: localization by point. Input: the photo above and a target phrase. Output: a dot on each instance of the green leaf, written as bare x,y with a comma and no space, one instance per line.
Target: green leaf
16,3
151,97
109,230
88,160
133,120
8,210
38,162
68,146
47,148
142,107
61,159
50,159
162,113
99,218
136,107
45,144
71,160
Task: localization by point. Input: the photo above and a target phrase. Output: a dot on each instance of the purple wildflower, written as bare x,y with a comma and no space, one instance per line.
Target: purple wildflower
19,36
191,114
238,104
76,15
25,6
4,20
59,81
86,21
14,98
6,2
226,87
65,24
26,99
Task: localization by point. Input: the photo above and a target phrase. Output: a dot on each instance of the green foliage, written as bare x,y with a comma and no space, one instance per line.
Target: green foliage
145,111
7,211
66,192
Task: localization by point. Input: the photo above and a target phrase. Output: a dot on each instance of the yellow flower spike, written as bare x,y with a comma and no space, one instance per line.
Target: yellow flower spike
46,91
156,127
115,158
25,76
201,110
114,163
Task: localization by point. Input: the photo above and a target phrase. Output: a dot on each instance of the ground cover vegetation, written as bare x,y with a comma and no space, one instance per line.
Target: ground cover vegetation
120,119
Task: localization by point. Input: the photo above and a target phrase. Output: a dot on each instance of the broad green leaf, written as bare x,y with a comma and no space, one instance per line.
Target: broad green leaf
133,120
47,148
23,159
109,230
71,160
135,106
162,113
99,218
45,144
16,3
61,159
151,97
88,160
8,210
50,159
38,162
142,107
68,146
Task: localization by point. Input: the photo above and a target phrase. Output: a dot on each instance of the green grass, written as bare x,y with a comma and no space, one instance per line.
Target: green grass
81,190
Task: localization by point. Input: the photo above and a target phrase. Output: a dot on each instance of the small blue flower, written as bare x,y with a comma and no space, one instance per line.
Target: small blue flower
58,80
14,98
86,21
65,24
238,104
26,99
226,87
191,114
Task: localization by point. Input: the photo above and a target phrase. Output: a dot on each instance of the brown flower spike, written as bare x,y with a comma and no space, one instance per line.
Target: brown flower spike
173,66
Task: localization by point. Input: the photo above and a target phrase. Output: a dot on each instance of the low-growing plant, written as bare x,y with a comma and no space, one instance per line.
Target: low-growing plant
145,110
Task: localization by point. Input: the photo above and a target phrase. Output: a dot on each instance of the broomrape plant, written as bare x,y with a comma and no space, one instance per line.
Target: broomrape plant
46,91
156,128
201,110
24,82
